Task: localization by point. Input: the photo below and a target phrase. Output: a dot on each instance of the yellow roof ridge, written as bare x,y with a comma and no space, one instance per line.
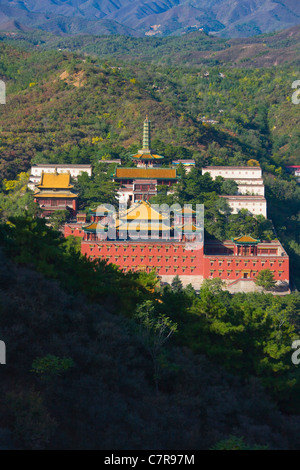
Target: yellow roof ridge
55,181
151,214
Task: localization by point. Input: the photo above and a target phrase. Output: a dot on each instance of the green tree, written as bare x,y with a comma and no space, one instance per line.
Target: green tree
51,366
176,284
58,218
265,279
214,286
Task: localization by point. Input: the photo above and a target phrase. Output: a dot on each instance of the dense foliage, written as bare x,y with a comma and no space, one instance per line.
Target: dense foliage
70,358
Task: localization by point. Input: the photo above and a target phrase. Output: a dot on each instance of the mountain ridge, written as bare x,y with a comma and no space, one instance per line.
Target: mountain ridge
227,18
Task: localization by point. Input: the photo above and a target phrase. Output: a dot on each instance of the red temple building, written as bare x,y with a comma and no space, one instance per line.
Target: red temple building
55,193
169,252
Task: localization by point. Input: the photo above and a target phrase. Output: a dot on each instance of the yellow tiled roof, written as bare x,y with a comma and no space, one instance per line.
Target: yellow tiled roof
186,211
246,239
95,226
188,228
55,181
148,173
100,210
147,156
142,211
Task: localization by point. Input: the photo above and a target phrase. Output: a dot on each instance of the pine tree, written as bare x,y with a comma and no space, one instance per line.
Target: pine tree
177,284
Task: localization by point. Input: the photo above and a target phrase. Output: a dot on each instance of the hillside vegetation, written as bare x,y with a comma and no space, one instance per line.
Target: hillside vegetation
80,375
192,49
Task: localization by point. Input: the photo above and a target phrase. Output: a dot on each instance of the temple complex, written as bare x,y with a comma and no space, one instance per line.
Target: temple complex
140,237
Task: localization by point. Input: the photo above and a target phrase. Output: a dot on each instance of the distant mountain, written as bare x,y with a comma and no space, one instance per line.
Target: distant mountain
228,18
14,26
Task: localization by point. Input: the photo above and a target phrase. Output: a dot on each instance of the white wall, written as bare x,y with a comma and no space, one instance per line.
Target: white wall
255,206
75,172
234,172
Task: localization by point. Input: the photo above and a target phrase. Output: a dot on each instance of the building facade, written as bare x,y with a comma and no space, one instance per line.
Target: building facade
251,188
237,262
55,193
256,205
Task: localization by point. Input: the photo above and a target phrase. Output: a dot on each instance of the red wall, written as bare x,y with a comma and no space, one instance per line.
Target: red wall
75,230
168,259
174,258
278,265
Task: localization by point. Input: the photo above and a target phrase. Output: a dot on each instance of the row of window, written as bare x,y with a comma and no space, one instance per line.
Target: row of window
238,274
245,263
133,259
140,249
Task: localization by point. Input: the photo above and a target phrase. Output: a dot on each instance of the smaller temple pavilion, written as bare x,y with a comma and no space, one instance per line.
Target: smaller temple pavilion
140,182
245,246
55,192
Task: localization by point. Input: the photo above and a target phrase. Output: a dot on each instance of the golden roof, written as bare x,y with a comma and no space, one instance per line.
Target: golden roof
188,228
245,239
95,226
146,173
146,156
55,181
186,211
142,211
101,210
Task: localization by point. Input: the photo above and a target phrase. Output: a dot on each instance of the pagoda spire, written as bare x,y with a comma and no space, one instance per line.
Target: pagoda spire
146,154
147,136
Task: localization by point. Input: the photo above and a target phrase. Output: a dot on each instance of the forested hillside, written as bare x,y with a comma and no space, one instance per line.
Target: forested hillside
193,49
80,371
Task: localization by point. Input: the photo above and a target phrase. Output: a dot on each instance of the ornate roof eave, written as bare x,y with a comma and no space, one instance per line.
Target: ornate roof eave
95,228
246,240
146,156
